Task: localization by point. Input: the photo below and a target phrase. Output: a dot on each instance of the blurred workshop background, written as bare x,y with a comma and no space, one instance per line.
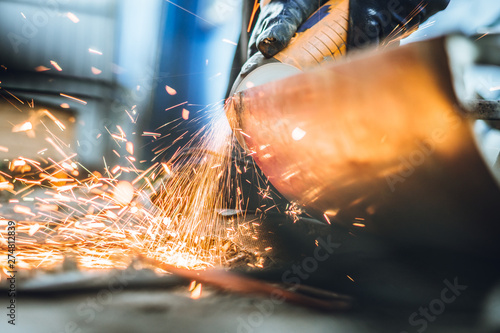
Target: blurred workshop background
96,64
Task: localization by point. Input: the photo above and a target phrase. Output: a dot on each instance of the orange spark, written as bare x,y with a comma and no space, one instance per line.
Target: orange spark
24,127
119,138
73,17
42,69
5,185
130,148
54,119
196,293
56,147
56,65
174,106
171,91
122,132
166,168
34,228
254,11
96,71
185,114
74,98
123,192
150,134
144,173
23,210
115,169
17,163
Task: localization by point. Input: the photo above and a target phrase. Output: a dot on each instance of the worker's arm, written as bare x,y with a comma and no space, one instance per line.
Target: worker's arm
370,21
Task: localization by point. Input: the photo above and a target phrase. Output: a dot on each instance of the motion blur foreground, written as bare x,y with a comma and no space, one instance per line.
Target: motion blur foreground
159,62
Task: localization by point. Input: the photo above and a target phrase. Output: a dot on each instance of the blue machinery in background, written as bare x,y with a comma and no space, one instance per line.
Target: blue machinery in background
194,59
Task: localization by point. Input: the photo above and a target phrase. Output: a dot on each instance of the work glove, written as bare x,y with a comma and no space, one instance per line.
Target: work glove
277,23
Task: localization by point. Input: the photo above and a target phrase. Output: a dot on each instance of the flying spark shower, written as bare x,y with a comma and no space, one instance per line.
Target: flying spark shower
175,212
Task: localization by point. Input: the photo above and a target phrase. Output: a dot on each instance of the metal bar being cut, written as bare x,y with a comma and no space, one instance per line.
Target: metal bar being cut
377,142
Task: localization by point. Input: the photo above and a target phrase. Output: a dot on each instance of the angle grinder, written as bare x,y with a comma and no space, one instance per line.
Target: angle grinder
320,39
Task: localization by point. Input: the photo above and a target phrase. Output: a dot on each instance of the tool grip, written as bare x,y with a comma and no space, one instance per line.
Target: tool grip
322,38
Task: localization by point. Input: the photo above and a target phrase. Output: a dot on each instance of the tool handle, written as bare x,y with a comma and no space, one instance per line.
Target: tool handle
322,38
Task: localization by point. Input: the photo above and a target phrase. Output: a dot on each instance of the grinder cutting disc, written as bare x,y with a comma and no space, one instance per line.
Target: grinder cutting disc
261,75
266,73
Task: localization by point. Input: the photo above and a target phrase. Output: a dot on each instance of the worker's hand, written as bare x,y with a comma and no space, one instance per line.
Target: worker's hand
372,22
277,23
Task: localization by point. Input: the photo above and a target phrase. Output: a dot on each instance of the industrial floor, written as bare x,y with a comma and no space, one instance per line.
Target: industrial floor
386,289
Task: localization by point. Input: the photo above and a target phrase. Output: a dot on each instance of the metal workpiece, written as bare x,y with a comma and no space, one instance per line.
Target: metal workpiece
379,143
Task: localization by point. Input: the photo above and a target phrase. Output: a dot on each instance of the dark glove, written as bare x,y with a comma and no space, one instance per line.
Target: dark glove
277,23
382,21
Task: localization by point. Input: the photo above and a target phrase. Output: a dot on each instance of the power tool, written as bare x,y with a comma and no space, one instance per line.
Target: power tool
319,40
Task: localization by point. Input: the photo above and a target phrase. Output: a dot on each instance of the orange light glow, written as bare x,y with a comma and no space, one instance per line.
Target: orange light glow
196,293
185,114
171,91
